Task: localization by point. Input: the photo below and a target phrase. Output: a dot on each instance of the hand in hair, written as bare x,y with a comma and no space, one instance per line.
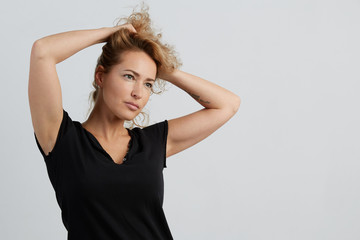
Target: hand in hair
126,25
114,29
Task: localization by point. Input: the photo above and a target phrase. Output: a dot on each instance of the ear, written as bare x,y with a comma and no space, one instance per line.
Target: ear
99,75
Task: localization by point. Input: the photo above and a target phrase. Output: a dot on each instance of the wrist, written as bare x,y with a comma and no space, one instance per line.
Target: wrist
169,76
106,33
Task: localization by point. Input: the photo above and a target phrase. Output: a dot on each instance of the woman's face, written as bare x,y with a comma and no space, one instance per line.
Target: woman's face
127,87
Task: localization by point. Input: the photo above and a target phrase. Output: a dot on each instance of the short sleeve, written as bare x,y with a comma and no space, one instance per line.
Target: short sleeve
157,134
61,132
51,164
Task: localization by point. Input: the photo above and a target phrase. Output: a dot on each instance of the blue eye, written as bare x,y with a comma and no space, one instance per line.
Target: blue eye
149,85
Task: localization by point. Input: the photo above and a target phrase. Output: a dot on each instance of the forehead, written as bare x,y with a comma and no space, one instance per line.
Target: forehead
138,61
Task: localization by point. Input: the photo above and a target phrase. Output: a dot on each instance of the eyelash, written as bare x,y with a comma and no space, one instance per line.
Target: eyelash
129,75
149,85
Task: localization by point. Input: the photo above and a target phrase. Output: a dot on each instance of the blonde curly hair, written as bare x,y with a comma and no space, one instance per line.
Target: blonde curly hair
145,39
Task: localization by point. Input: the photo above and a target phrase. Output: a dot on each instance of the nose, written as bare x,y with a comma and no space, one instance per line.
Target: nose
137,91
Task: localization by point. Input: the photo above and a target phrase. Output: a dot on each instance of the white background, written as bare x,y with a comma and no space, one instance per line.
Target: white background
286,166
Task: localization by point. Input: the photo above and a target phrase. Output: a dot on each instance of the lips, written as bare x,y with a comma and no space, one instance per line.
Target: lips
132,106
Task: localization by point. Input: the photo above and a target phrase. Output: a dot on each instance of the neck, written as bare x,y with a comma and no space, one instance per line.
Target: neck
104,124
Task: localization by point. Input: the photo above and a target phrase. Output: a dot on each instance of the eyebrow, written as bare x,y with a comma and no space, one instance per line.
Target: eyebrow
137,74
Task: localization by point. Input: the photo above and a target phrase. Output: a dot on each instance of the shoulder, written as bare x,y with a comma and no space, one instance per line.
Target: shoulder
154,131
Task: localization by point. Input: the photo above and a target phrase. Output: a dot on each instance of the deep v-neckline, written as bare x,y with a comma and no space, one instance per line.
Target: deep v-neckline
129,145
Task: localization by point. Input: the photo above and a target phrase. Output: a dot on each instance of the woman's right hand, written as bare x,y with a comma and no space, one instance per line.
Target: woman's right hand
126,25
115,29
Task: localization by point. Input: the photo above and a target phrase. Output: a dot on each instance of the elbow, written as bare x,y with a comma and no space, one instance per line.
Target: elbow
236,105
231,109
38,49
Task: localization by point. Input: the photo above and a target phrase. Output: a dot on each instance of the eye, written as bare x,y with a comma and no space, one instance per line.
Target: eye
149,85
129,75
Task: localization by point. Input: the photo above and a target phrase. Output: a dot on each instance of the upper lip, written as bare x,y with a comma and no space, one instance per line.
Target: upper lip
134,104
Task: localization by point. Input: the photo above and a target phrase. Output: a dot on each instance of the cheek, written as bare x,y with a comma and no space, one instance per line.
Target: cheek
120,90
146,98
113,94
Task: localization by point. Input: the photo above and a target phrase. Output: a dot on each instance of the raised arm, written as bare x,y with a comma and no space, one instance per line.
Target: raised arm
219,106
44,87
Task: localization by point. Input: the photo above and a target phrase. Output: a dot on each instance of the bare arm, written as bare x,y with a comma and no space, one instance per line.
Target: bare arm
44,88
219,106
60,46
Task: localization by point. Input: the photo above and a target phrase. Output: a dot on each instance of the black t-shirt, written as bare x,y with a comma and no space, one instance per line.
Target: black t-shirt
104,200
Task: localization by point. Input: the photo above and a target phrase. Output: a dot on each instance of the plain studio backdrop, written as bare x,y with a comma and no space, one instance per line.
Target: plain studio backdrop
286,166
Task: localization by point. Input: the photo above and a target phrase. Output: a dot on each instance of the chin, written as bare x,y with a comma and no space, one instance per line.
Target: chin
127,118
130,117
126,114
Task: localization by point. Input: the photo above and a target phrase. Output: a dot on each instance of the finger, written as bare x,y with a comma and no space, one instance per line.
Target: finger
128,26
131,28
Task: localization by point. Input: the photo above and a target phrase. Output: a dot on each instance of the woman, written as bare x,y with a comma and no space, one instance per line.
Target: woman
107,178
